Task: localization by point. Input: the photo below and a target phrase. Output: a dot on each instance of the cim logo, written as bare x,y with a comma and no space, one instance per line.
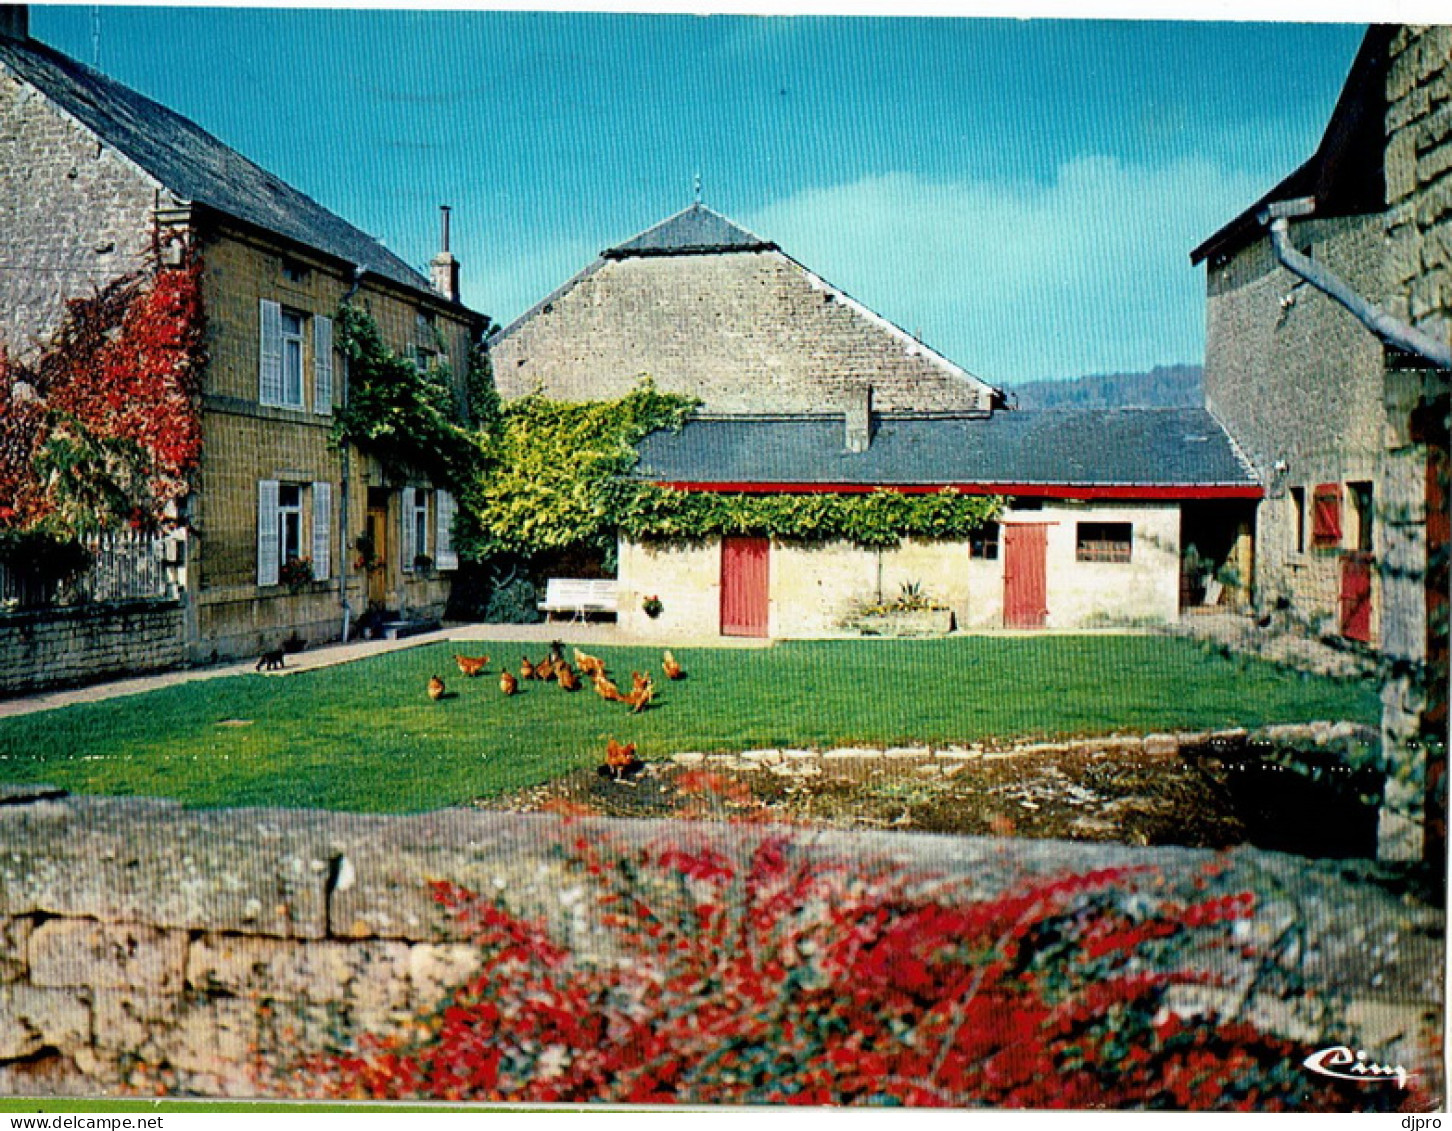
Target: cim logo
1340,1063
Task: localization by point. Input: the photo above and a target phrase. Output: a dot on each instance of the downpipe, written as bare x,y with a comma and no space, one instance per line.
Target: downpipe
344,461
1391,330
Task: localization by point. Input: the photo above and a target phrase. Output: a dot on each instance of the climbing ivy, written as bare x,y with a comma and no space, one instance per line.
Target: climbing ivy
410,421
102,429
555,473
880,518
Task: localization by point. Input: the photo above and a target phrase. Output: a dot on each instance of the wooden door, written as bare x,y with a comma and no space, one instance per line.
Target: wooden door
745,582
1025,588
1356,596
378,573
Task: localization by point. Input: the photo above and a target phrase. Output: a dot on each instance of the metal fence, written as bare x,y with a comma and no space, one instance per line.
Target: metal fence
124,567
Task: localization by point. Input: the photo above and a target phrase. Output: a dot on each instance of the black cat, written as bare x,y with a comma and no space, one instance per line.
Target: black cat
270,661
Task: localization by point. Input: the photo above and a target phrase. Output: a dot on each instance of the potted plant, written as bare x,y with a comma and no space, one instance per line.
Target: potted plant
911,613
652,607
296,573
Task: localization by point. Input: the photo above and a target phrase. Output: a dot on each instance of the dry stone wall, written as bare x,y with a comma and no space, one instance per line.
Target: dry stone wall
147,947
54,647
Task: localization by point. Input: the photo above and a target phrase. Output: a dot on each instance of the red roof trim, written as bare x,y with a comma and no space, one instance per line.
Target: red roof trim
1023,490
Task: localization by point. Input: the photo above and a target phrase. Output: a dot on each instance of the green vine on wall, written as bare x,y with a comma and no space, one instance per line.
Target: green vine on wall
410,421
881,518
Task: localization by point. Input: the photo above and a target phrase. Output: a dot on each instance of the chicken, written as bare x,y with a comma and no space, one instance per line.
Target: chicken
607,690
526,669
507,683
557,653
620,761
545,670
670,667
567,677
471,665
588,664
640,695
436,688
638,680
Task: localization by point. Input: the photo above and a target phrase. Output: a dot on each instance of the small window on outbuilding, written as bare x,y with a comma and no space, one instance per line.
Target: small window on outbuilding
1104,541
983,542
1326,516
1298,504
1361,506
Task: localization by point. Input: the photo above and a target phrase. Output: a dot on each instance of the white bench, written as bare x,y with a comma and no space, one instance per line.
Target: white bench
579,596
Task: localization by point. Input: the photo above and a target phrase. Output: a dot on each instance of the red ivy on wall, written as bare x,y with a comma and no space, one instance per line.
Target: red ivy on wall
122,373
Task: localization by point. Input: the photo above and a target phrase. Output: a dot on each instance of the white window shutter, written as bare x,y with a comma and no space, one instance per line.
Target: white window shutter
444,554
322,365
322,530
269,382
268,547
410,549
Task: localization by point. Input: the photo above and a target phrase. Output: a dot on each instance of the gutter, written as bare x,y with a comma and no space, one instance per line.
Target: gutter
343,460
1393,331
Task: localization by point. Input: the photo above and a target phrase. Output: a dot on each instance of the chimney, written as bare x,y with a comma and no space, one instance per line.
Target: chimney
444,268
14,21
859,418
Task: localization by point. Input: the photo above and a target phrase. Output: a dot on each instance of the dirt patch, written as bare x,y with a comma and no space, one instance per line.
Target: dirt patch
1205,795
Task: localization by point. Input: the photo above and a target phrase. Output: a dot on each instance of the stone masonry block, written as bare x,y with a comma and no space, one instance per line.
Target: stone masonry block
14,934
292,970
82,952
125,1020
33,1017
435,969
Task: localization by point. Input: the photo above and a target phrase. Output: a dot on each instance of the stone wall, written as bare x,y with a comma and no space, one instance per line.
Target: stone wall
745,332
53,647
75,213
1297,381
145,947
1419,231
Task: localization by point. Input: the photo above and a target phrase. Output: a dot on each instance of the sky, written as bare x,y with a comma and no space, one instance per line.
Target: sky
1022,194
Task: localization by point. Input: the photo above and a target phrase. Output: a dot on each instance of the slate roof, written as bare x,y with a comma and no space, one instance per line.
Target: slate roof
191,163
696,230
1152,447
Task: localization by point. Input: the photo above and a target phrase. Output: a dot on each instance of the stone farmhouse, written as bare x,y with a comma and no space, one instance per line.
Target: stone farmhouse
1326,358
806,390
97,181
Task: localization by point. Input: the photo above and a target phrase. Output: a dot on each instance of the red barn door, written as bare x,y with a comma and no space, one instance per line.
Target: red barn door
1356,596
1025,588
744,584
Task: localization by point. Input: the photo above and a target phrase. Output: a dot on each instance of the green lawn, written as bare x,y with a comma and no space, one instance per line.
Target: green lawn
364,736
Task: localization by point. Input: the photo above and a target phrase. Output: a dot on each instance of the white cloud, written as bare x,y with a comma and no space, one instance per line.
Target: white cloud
1020,280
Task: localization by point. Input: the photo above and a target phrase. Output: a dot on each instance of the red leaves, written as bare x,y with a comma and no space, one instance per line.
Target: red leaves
786,980
125,365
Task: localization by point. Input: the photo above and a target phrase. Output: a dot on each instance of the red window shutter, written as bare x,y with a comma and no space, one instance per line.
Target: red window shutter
1326,516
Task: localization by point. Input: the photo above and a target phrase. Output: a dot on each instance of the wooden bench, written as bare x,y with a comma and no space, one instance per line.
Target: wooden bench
579,596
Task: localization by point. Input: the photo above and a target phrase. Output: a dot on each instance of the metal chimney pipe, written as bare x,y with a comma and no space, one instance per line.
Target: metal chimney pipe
445,209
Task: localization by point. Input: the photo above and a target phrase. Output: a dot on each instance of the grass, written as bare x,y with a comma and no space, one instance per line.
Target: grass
364,736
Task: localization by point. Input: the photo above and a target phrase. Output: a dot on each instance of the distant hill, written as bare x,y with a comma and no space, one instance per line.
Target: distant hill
1165,386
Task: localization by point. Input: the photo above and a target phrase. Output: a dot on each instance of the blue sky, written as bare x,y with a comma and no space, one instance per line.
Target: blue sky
1023,194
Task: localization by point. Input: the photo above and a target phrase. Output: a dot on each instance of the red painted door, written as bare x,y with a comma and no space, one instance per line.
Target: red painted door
1025,590
744,582
1356,596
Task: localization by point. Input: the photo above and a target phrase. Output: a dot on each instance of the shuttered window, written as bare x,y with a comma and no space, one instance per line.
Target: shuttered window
445,508
322,365
322,530
1326,516
269,382
269,556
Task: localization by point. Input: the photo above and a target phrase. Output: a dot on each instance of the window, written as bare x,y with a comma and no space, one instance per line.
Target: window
294,272
426,338
1361,505
1104,541
983,542
283,532
1298,505
280,367
1326,516
292,358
